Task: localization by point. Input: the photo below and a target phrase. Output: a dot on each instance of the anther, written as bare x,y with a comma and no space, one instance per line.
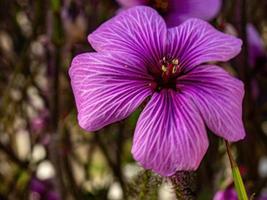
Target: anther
163,68
174,69
175,61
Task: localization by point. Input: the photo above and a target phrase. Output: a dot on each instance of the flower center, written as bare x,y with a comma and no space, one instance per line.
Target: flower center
160,5
170,70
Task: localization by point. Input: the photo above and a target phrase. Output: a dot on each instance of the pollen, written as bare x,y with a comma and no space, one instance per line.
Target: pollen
164,68
174,69
175,61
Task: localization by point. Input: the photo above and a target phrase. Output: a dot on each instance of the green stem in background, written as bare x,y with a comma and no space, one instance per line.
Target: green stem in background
239,185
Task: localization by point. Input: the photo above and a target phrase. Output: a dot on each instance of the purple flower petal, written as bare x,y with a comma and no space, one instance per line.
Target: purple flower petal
228,194
37,185
195,42
139,31
263,197
218,97
131,3
170,134
107,87
180,10
53,196
256,44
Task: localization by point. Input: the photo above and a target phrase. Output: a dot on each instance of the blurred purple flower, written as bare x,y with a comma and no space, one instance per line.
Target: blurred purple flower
44,190
256,45
177,11
257,55
39,123
138,57
228,194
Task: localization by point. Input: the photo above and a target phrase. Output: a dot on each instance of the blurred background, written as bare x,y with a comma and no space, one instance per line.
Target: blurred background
44,155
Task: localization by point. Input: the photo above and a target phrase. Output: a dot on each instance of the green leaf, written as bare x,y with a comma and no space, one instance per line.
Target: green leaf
239,185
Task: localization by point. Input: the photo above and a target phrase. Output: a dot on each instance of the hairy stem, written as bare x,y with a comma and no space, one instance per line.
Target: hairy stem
184,185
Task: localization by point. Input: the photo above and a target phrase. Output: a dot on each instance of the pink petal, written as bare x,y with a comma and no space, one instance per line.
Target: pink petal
255,43
107,87
131,3
218,97
228,194
195,42
139,31
180,10
170,134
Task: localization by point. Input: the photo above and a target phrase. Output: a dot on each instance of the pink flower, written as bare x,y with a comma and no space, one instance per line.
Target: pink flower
138,58
177,11
228,194
256,45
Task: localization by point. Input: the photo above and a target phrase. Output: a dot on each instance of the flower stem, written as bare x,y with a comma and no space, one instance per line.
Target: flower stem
145,185
239,185
184,185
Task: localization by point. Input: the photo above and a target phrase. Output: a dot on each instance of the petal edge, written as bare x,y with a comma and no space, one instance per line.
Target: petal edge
219,97
170,134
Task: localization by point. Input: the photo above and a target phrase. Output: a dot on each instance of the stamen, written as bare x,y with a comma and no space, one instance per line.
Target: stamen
174,69
170,70
169,67
175,61
164,68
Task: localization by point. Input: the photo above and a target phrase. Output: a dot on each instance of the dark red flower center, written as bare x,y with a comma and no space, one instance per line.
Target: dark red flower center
160,5
170,70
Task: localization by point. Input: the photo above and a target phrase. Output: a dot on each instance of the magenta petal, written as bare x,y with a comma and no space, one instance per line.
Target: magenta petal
256,44
180,10
139,31
131,3
170,134
218,97
195,42
228,194
107,87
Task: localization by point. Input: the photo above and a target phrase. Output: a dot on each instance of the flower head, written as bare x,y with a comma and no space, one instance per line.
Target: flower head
138,57
228,194
177,11
257,52
43,190
38,123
